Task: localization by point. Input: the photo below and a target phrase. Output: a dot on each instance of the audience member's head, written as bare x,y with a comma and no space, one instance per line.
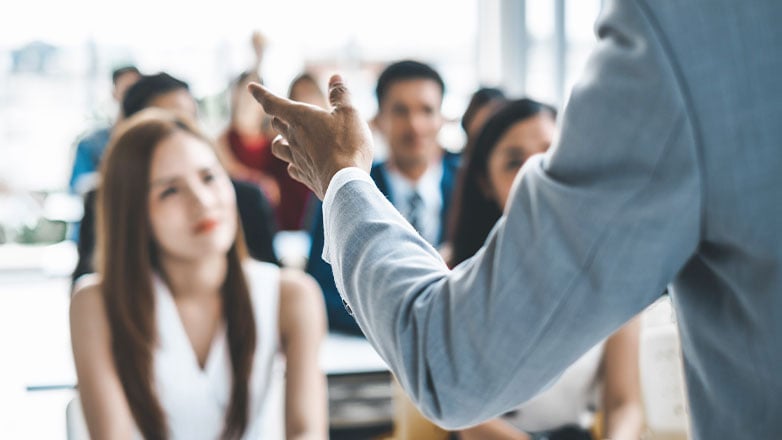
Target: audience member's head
247,117
122,78
165,198
482,104
409,97
305,88
515,132
161,157
162,91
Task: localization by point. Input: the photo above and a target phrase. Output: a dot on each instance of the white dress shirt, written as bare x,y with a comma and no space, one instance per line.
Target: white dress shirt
428,187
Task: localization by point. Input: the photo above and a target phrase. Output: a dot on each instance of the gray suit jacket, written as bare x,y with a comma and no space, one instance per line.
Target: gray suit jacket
667,170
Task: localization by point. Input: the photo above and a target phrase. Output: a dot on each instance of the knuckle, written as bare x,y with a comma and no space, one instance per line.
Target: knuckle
338,90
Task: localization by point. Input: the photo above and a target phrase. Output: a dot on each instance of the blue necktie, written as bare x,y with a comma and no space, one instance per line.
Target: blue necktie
415,206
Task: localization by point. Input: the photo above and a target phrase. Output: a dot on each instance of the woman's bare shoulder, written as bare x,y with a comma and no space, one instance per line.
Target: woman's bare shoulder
87,299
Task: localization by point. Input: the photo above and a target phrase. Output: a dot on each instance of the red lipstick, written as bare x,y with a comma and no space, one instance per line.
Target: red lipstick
205,225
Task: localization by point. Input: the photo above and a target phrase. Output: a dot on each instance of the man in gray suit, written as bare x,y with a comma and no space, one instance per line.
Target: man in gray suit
667,172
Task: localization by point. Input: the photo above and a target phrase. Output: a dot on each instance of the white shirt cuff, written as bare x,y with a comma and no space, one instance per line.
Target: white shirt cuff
339,180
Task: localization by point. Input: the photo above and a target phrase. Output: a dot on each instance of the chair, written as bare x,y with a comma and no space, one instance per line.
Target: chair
75,425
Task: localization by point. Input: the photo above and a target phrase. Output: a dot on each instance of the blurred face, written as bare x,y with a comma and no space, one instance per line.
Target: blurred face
248,116
123,83
410,120
179,101
192,205
306,91
520,141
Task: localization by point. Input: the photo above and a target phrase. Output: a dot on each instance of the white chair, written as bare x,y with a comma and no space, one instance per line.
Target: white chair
662,378
75,425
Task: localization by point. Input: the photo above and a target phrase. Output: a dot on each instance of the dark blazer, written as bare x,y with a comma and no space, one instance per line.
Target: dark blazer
339,319
255,213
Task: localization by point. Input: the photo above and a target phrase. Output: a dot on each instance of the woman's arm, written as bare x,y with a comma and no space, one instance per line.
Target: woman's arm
622,394
495,429
302,328
105,407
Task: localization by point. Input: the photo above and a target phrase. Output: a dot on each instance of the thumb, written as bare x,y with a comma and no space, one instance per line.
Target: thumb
339,95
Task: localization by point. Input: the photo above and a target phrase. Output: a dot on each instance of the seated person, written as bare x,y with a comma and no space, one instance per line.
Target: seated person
256,214
483,103
89,149
245,148
305,88
417,177
245,145
180,334
610,369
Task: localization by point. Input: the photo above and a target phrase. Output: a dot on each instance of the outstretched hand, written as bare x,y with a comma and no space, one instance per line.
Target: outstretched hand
317,143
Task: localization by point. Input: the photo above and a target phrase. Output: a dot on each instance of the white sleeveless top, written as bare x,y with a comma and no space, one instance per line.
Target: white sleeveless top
195,401
571,400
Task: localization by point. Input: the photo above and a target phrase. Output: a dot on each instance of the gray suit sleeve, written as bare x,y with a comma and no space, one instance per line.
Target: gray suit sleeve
594,232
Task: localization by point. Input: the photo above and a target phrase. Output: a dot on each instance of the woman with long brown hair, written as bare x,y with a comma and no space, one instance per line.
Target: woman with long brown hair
180,334
604,378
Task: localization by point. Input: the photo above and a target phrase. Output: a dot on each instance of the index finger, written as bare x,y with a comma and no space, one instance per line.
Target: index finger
272,104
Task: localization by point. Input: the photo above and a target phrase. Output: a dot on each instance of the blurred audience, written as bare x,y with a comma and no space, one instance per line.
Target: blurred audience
180,333
305,88
606,377
483,103
89,149
245,145
256,214
162,91
418,176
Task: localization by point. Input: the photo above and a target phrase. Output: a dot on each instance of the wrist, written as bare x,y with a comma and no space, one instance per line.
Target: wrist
328,176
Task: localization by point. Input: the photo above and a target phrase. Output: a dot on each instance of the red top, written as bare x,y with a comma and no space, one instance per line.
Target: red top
254,153
257,154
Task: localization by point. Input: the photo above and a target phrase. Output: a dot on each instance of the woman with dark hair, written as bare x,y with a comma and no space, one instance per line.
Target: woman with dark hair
565,411
482,104
180,335
305,88
520,129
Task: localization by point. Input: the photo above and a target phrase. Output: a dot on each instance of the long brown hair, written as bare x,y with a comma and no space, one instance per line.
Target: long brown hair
474,213
128,256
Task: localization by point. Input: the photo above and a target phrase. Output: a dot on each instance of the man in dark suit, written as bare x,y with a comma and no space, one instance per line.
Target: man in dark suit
418,176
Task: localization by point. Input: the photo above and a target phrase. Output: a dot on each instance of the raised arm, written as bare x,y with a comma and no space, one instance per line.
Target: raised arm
593,232
596,229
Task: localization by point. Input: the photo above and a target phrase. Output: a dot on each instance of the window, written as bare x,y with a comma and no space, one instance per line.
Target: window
54,73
